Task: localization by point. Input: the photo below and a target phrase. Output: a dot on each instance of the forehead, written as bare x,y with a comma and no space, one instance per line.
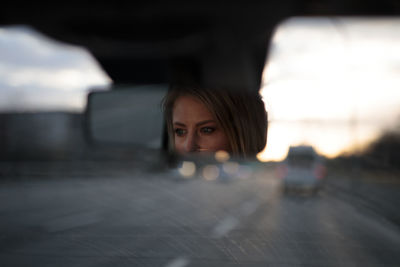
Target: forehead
189,108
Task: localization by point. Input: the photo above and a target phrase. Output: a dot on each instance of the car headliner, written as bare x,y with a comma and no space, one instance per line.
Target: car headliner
214,43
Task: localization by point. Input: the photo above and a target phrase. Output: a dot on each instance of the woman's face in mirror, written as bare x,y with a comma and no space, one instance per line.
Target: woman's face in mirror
195,128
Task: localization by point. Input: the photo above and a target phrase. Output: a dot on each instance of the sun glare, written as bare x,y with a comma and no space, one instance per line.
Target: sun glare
331,83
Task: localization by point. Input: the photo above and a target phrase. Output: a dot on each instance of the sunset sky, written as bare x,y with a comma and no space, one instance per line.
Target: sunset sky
332,83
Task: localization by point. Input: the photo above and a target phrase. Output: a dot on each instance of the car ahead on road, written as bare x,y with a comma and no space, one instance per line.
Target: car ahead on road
302,169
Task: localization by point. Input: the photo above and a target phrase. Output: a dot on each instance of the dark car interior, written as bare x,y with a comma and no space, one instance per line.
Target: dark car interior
106,193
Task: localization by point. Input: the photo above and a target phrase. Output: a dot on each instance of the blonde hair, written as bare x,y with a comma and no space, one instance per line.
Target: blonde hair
241,115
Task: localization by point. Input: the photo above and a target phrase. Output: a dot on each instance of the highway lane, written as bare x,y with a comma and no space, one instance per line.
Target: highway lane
132,217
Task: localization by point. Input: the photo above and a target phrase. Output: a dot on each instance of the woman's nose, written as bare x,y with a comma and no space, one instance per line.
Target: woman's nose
191,142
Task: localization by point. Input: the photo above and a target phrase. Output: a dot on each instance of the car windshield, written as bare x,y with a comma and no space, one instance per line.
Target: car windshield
91,172
301,160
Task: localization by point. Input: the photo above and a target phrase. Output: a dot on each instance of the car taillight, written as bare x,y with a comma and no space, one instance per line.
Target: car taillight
320,171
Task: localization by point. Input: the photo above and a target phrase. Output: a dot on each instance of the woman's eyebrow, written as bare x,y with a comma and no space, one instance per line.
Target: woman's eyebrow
204,122
179,123
197,124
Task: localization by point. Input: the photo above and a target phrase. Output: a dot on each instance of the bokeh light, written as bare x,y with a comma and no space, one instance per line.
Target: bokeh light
222,156
188,169
230,167
210,172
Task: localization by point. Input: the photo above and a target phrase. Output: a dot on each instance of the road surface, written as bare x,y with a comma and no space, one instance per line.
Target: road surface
97,215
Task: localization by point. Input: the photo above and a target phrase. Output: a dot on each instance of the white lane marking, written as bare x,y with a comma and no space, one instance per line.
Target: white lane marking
225,226
231,222
178,262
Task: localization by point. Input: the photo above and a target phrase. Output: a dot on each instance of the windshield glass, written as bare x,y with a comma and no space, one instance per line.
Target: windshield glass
303,172
38,73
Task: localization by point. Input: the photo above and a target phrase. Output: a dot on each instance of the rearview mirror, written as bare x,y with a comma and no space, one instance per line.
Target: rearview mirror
126,116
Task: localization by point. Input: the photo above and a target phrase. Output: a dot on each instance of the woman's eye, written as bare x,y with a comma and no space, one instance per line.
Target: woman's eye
180,132
207,130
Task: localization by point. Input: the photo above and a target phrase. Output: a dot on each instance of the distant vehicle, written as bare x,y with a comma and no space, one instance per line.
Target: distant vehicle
302,169
97,187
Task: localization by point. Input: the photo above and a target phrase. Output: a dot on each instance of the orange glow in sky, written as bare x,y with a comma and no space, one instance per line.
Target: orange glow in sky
332,83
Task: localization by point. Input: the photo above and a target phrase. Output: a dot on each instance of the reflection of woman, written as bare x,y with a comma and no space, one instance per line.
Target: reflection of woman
205,120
